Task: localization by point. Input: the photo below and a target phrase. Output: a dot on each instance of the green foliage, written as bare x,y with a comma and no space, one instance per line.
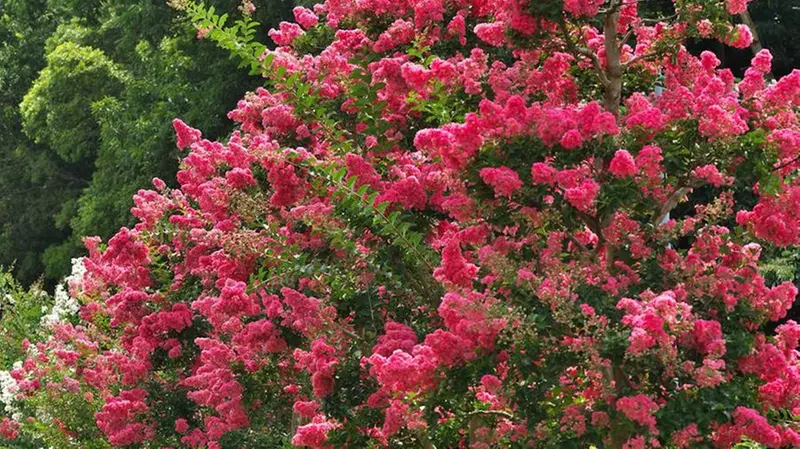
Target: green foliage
21,311
58,110
87,93
238,38
359,201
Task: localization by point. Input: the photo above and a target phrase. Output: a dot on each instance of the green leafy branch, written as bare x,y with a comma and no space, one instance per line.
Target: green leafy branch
389,225
238,38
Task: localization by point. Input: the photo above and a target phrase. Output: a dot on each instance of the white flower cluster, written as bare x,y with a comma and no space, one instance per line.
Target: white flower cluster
8,392
64,304
78,270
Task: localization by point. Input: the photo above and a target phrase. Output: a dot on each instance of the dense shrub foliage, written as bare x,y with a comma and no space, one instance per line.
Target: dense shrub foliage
450,224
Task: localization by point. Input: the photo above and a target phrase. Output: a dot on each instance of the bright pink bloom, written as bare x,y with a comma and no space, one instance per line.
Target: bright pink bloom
305,17
454,268
762,61
503,180
740,37
622,165
572,139
120,418
186,135
9,429
583,196
491,33
639,409
315,434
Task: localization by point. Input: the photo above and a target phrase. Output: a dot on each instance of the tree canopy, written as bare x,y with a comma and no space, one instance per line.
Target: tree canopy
87,90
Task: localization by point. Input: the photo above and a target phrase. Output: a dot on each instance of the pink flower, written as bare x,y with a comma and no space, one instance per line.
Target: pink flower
186,135
503,180
120,418
491,33
159,184
305,17
705,28
737,6
543,173
321,362
740,37
583,196
762,61
404,372
315,434
240,178
407,192
286,184
685,437
287,32
396,336
622,165
181,426
457,28
579,8
708,338
711,373
306,409
399,33
427,12
572,139
756,427
711,175
415,75
639,409
709,61
454,268
637,442
9,429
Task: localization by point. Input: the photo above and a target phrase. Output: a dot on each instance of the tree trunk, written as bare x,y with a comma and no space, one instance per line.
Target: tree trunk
756,46
613,90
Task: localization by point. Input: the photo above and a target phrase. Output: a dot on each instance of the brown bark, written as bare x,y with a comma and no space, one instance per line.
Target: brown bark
612,96
756,46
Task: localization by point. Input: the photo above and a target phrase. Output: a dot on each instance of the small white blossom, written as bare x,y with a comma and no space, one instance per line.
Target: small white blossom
8,392
64,304
75,278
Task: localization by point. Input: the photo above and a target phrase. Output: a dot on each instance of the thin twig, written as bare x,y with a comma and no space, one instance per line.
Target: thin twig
660,19
641,57
787,163
625,38
672,201
582,51
502,413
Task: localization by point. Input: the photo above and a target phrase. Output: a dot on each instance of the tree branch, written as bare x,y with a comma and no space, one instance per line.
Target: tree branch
641,57
787,163
625,38
672,201
502,413
583,51
612,97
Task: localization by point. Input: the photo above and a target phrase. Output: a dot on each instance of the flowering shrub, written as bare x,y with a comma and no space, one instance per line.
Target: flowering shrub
452,223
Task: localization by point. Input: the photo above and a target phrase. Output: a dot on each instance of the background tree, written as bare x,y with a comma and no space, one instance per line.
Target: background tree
93,85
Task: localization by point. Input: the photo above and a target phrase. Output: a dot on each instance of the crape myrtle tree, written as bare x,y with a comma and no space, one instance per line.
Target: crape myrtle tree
451,224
